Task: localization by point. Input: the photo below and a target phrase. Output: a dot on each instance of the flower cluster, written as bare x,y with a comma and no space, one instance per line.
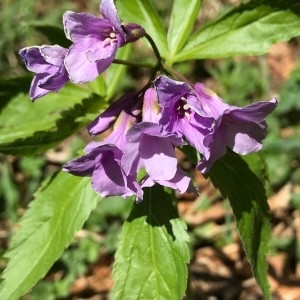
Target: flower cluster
148,125
95,44
148,128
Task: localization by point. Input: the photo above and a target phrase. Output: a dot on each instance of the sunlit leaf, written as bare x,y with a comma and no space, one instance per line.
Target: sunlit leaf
59,209
152,252
246,194
183,16
27,127
248,29
116,72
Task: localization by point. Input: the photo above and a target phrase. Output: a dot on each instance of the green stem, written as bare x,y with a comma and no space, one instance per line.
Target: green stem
156,52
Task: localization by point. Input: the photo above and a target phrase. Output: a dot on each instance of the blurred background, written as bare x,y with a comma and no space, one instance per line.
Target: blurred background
218,268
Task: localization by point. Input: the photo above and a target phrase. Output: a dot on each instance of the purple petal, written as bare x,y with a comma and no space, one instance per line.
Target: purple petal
195,134
77,62
151,109
108,117
48,64
93,145
170,91
82,166
211,103
179,182
34,60
254,112
109,12
54,82
81,25
130,159
107,178
159,158
121,126
54,55
36,91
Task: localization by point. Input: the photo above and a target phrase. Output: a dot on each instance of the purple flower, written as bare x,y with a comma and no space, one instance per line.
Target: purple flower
182,112
151,108
208,123
179,182
147,148
110,115
102,163
241,129
95,41
48,64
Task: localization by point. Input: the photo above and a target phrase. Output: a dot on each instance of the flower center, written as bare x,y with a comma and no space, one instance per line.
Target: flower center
112,35
183,109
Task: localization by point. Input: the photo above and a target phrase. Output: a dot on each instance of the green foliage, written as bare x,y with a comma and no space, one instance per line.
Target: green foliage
60,208
249,203
152,248
24,129
54,34
248,29
180,25
236,86
115,74
290,95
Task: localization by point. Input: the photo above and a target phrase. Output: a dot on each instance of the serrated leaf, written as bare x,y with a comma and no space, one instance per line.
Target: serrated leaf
152,252
183,16
249,29
27,127
59,209
145,14
246,194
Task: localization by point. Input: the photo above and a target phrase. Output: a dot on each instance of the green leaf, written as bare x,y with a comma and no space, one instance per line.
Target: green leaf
115,73
152,252
145,14
183,16
246,194
59,209
27,127
10,87
258,165
54,34
248,29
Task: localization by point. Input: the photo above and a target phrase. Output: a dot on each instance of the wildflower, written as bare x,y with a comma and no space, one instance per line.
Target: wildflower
110,115
48,64
147,148
182,113
151,109
208,123
241,129
103,163
95,41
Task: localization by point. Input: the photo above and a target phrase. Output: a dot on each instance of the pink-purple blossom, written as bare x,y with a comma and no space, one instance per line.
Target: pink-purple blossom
48,64
209,124
96,41
95,44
